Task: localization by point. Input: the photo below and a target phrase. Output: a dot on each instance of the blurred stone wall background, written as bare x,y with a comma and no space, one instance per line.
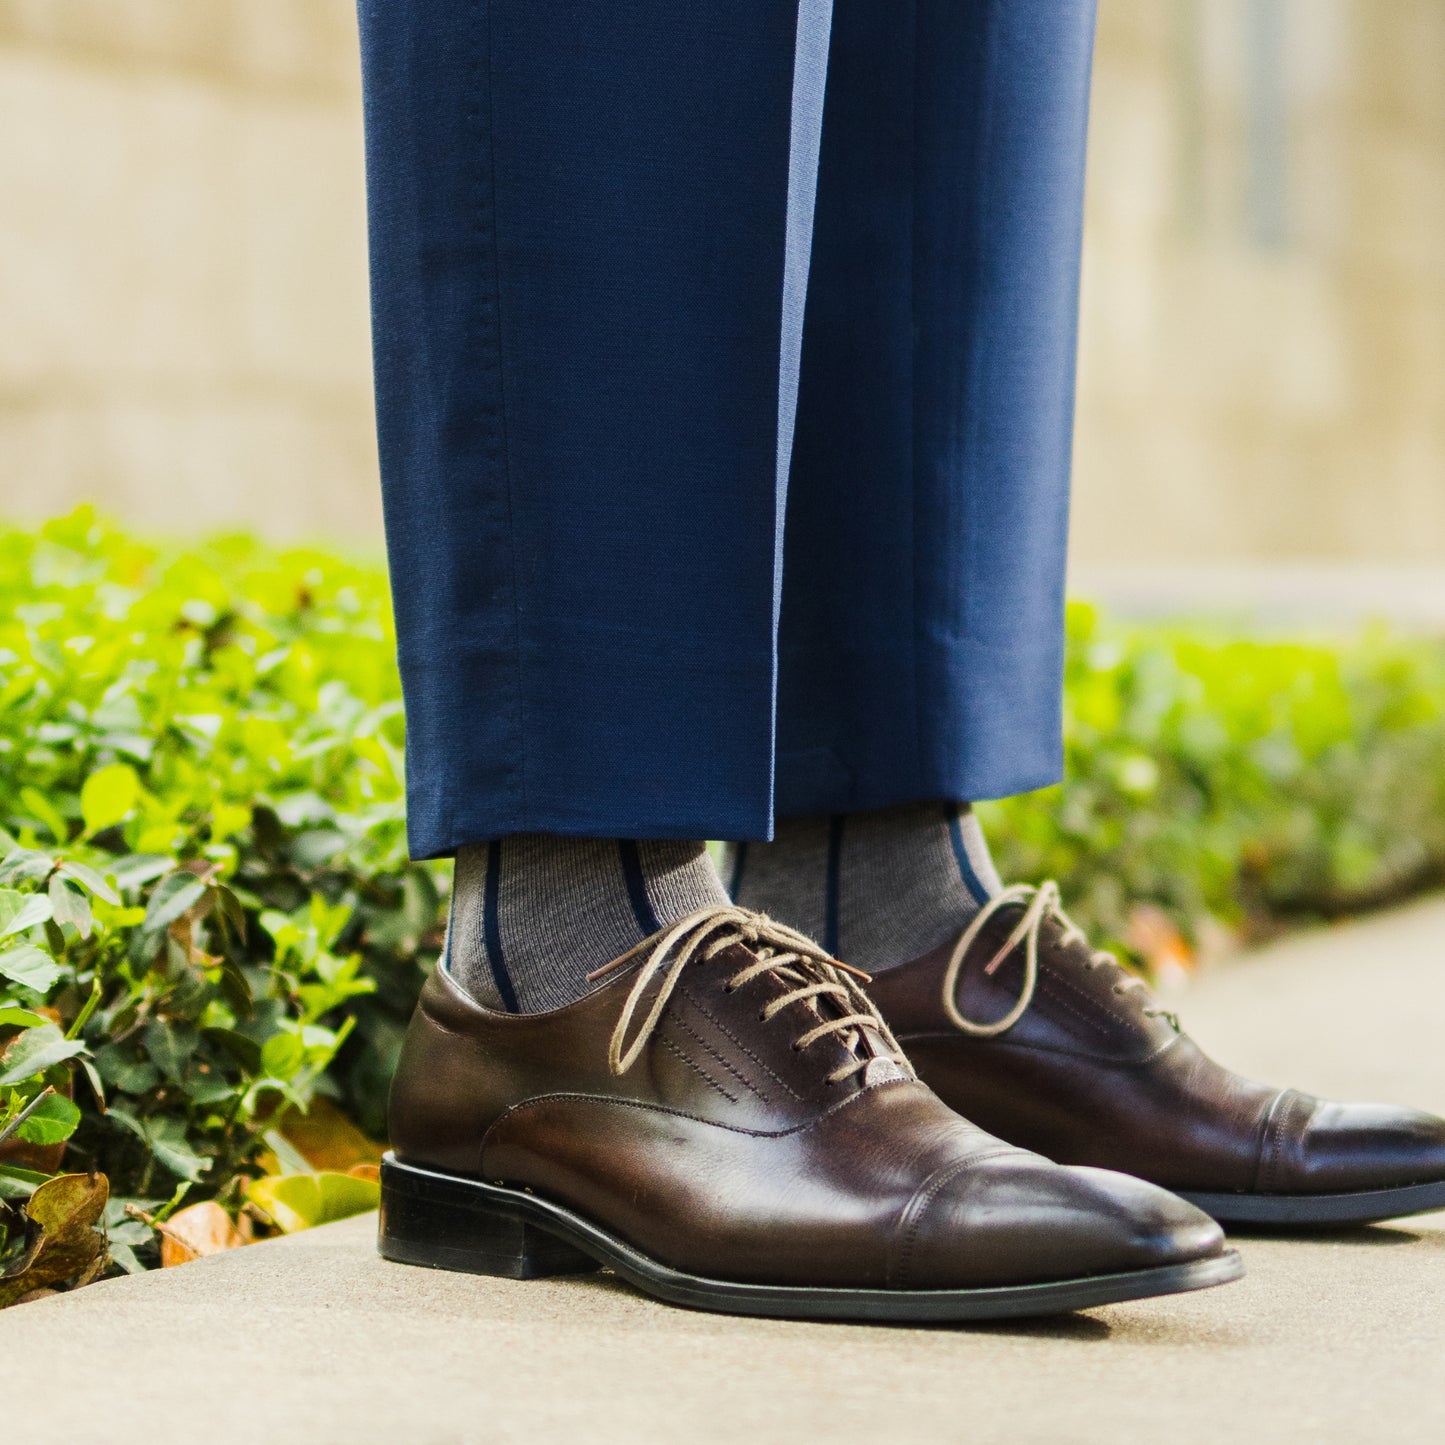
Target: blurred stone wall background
183,332
183,326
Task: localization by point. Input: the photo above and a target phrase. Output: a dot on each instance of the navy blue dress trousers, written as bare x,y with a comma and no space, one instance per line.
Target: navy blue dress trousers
724,371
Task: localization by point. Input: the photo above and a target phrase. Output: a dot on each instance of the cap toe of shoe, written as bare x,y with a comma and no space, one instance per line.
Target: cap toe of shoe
1024,1220
1347,1147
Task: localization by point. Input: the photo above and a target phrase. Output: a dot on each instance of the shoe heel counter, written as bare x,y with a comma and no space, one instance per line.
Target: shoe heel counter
440,1105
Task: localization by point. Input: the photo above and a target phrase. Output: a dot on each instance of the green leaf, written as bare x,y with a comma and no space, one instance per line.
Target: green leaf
171,1150
108,796
22,1064
52,1122
135,870
282,1055
124,1256
166,1139
90,880
24,1018
235,989
245,1051
18,1183
25,865
170,1043
33,1052
127,1120
173,897
20,912
69,905
93,1075
119,1067
41,806
232,914
30,967
302,1201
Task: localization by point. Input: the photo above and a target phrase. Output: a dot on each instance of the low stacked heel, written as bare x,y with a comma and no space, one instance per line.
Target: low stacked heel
430,1220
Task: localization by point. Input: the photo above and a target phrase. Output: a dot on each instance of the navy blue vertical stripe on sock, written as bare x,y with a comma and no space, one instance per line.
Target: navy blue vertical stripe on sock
492,928
637,887
831,888
971,879
735,877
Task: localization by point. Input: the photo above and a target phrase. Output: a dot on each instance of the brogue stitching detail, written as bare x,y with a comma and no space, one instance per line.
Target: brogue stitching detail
723,1029
1108,1029
1101,1008
698,1069
742,1078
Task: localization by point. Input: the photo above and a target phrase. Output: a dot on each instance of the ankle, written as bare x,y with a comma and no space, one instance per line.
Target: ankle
534,913
875,888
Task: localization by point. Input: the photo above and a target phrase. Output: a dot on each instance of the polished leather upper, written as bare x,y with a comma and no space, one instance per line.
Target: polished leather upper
725,1150
1094,1072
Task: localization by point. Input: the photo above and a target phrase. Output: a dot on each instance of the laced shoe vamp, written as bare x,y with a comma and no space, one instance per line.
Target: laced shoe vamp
1078,1004
717,1057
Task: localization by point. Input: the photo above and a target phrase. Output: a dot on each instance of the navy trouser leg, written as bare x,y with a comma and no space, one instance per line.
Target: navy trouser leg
590,239
922,611
590,228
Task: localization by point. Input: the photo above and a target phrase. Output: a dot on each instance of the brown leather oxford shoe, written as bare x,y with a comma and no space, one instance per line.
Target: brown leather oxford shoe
727,1123
1052,1045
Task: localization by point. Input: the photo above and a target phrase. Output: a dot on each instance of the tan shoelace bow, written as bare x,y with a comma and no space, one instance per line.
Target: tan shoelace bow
1042,901
781,950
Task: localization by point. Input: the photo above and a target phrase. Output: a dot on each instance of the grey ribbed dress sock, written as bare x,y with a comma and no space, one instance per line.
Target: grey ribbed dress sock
875,889
533,914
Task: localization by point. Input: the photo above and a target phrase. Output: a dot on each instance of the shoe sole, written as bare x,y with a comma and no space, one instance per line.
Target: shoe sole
445,1221
1368,1206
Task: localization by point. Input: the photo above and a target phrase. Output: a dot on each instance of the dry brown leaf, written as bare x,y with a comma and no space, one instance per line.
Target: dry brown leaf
65,1247
326,1139
196,1231
1157,939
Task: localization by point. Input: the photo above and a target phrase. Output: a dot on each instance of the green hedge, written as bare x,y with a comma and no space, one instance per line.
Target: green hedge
206,882
1253,781
208,912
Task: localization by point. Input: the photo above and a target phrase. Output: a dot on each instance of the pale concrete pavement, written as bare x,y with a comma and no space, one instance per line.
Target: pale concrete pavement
1332,1338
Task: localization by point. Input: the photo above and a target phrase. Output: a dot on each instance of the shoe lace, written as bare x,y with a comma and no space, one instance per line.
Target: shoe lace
1042,903
779,950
